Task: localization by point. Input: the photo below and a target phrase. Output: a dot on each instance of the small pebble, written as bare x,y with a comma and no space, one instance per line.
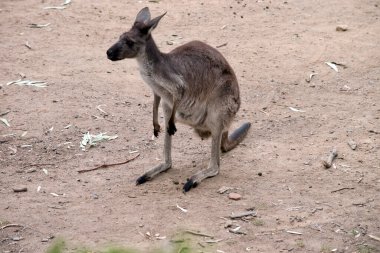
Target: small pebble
260,174
234,196
31,170
224,189
341,28
20,189
16,238
352,144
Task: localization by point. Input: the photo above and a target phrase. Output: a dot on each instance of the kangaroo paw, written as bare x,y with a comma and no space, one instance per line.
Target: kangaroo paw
156,129
172,129
155,132
189,184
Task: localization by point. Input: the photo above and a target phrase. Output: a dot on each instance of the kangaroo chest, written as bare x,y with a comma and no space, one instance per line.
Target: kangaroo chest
170,87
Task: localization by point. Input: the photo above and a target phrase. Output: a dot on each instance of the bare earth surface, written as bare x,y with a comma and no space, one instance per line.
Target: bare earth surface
273,47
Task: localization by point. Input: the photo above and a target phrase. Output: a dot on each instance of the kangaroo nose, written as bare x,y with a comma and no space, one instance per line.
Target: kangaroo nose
109,52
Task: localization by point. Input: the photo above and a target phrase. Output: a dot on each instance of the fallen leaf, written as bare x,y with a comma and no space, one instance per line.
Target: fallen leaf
295,109
5,121
310,77
20,82
101,110
92,140
224,189
333,66
182,209
294,232
33,25
66,2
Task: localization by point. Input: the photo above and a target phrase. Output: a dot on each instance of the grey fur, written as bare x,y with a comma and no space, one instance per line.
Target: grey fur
196,86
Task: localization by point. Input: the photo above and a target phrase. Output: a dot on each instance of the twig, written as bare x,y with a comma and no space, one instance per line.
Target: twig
374,237
293,232
108,165
182,209
327,163
4,113
264,112
56,207
213,241
222,45
38,165
11,225
344,188
198,233
242,214
310,77
27,45
101,110
236,231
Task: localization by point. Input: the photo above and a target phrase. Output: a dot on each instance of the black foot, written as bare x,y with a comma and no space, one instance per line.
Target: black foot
144,178
172,129
155,132
189,184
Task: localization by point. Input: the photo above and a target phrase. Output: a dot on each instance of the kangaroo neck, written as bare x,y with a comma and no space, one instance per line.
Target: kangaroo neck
151,53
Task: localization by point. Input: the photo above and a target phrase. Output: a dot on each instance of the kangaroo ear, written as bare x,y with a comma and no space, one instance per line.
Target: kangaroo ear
154,22
143,16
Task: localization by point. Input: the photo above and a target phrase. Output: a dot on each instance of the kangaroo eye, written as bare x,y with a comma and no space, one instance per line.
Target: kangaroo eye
129,42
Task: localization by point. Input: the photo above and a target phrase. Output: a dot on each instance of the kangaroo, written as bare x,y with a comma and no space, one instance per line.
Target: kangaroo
196,85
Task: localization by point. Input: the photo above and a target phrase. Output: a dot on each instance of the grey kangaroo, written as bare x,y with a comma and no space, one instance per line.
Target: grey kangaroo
196,85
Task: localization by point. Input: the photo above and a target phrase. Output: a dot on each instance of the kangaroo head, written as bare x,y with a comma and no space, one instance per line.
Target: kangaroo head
132,43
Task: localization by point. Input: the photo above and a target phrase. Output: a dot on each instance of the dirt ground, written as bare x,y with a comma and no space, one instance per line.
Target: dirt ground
273,47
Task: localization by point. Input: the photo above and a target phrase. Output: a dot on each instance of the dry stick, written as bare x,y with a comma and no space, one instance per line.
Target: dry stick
213,241
293,232
38,165
222,45
108,165
236,231
374,237
198,233
327,163
11,225
27,45
242,214
344,188
4,113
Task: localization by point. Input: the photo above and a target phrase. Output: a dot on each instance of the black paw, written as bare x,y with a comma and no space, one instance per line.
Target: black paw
172,129
155,132
142,179
189,184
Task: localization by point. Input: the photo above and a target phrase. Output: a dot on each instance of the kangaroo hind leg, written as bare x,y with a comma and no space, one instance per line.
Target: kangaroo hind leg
213,167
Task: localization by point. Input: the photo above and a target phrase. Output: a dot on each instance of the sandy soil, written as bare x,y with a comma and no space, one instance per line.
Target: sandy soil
273,47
